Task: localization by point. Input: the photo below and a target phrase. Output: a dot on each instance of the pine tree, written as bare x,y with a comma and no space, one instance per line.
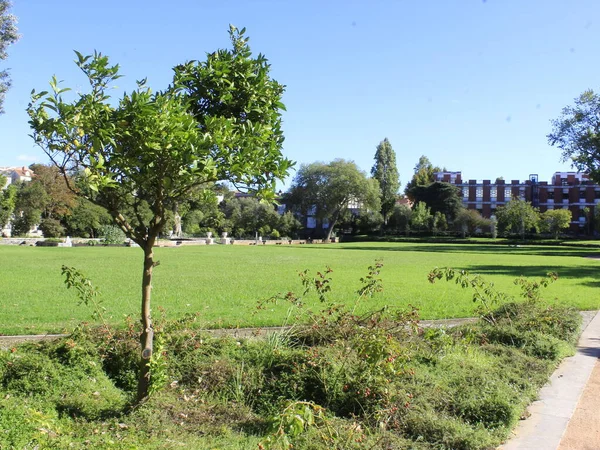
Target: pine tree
385,172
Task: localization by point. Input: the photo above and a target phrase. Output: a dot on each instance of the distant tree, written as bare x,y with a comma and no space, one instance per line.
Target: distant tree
421,218
555,220
518,216
51,228
401,218
58,199
289,225
439,196
439,222
467,221
8,36
331,189
577,133
8,199
423,175
31,200
219,120
385,172
87,219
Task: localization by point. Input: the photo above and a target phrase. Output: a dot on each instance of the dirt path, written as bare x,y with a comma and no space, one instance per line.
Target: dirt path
583,431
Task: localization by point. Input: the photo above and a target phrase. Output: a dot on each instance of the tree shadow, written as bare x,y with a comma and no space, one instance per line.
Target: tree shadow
578,272
466,248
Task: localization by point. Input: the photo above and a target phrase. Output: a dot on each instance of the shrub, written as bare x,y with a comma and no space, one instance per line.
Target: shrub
111,235
51,228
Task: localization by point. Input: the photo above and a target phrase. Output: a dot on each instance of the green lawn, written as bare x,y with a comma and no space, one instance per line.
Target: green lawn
223,283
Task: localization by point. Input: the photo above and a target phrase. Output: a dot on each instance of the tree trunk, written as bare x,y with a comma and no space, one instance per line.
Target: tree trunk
331,225
147,336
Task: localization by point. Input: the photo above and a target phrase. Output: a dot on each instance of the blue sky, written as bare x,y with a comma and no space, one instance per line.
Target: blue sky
472,84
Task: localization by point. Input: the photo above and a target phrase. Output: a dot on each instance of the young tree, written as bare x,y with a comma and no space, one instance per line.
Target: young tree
518,216
555,220
577,133
332,189
8,35
421,218
385,172
219,120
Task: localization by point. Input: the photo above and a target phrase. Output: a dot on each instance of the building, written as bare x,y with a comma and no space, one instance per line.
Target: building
16,174
566,190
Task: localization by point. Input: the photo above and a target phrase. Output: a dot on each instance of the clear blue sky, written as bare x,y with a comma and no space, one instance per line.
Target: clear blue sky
472,84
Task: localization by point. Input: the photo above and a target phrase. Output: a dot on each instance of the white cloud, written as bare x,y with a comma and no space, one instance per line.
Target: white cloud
28,158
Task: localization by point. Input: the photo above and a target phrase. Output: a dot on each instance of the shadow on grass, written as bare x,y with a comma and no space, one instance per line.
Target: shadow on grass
539,271
464,248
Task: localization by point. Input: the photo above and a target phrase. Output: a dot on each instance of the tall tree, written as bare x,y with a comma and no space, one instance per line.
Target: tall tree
577,133
423,175
8,35
145,153
518,216
385,172
331,189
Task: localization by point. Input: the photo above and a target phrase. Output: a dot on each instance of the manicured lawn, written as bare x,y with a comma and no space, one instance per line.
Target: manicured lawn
223,283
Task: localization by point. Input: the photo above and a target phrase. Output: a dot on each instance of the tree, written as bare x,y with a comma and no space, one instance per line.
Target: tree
8,199
8,35
555,220
59,200
467,221
385,172
31,200
577,133
421,218
423,175
401,218
439,196
517,216
86,219
331,189
219,120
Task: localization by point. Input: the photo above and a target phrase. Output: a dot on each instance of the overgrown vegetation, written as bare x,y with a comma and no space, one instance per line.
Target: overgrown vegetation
337,380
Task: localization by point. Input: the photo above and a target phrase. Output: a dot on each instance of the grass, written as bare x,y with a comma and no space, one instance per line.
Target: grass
223,283
344,383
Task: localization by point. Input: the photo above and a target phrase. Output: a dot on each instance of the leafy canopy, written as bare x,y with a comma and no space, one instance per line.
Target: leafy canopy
331,189
385,172
577,133
219,120
8,35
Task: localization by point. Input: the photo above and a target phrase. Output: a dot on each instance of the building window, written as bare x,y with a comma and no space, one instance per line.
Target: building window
493,193
507,193
522,193
479,192
582,194
465,192
565,196
551,195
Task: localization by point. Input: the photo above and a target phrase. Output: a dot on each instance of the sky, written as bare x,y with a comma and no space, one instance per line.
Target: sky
471,84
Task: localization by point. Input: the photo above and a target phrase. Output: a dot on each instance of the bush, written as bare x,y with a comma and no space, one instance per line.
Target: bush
111,235
51,228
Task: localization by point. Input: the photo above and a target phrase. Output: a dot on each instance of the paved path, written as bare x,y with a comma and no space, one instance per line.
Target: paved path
566,404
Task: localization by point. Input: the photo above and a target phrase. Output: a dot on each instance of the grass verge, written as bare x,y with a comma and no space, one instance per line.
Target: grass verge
345,381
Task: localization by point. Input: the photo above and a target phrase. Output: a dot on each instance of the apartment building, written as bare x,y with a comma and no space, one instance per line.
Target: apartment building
566,190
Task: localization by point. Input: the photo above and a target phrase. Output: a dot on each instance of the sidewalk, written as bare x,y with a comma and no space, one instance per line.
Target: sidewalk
567,415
